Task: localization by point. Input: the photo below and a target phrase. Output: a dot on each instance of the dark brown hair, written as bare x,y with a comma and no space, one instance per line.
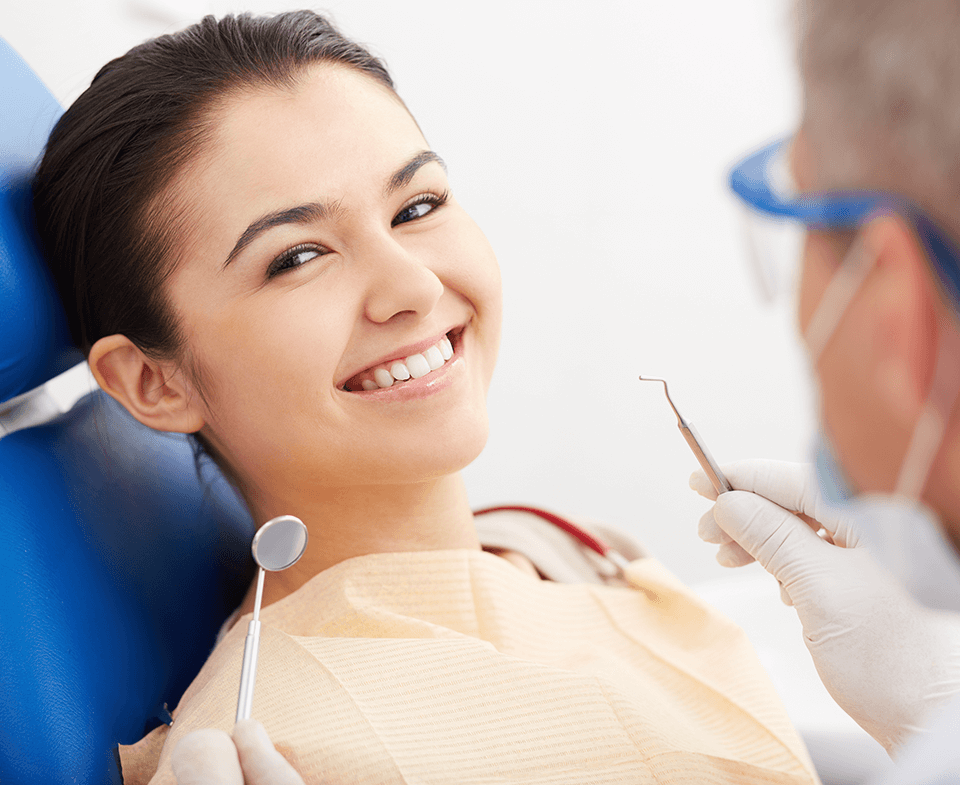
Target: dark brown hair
106,225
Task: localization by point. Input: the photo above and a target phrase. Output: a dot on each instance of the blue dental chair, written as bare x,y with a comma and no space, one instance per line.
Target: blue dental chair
120,559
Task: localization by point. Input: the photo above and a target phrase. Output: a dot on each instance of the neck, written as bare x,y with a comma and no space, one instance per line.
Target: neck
346,522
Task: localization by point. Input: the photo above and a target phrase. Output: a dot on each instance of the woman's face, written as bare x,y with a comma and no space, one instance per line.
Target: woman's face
323,250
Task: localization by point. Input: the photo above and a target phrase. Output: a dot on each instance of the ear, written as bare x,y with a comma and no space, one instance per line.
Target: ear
156,393
901,302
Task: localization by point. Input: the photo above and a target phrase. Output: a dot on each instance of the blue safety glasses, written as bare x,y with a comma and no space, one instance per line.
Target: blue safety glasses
777,215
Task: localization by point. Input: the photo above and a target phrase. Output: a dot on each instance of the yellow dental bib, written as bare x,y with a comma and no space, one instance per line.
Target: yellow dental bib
456,667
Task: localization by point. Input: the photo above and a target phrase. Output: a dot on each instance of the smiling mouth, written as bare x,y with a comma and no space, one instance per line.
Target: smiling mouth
401,370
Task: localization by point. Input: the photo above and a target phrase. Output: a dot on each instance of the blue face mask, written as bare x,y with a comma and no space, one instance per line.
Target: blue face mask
835,487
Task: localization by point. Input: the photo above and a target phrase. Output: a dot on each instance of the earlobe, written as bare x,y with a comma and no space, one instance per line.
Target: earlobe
154,392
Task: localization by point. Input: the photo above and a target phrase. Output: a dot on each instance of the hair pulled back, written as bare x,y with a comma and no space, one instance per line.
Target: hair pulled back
108,233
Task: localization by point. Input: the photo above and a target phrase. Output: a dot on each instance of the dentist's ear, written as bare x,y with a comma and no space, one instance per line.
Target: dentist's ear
903,305
158,394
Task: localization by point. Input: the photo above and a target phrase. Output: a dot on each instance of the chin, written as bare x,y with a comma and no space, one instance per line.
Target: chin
468,451
445,452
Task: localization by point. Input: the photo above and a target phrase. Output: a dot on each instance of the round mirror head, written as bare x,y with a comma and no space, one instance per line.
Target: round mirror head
279,543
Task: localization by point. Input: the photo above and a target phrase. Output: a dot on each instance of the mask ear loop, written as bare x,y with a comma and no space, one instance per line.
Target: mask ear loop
928,432
836,298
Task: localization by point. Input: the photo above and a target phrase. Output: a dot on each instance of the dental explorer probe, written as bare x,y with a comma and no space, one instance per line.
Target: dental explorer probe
720,483
278,544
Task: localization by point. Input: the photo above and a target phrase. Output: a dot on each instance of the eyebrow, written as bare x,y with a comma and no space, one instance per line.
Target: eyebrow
302,214
319,211
405,173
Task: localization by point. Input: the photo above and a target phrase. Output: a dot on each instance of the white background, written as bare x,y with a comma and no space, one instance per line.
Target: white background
591,142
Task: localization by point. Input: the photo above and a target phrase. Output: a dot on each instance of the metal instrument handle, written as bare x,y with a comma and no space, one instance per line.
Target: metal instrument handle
248,671
720,483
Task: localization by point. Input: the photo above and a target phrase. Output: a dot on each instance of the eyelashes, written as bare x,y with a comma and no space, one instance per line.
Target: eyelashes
295,257
412,210
416,208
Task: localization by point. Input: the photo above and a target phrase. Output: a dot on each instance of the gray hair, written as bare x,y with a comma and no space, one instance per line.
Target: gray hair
881,81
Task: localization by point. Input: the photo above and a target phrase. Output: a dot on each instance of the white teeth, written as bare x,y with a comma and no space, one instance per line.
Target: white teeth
399,372
413,367
433,357
417,365
446,348
383,378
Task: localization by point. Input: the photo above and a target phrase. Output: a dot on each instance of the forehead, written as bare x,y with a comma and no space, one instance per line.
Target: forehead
332,113
332,135
323,98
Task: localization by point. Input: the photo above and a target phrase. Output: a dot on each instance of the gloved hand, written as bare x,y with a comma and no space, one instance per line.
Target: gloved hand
211,757
886,660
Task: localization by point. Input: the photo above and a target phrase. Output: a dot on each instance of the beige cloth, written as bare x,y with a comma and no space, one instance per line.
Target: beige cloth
456,667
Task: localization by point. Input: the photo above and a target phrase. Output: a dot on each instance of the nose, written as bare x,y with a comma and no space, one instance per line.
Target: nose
400,284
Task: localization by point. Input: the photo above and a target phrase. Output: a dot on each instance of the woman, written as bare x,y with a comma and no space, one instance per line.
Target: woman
260,248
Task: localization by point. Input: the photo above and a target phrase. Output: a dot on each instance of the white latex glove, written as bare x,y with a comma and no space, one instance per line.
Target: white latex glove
886,660
211,757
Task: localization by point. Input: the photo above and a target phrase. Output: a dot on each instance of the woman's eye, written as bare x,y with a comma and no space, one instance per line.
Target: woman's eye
295,257
419,207
412,212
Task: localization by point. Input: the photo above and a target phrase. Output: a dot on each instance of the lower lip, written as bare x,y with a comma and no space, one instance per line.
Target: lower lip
425,386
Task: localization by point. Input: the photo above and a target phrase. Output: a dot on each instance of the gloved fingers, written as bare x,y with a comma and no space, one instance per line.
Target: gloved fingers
700,483
815,525
782,543
789,485
709,531
732,555
262,764
785,596
841,530
206,757
729,554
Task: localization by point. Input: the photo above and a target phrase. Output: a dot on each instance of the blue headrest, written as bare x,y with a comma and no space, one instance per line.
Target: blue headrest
118,569
35,343
119,561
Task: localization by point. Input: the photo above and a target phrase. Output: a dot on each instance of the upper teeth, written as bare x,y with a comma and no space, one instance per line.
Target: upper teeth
412,367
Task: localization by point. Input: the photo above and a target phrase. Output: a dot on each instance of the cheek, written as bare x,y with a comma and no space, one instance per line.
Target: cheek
492,312
815,275
489,283
495,299
468,266
843,375
259,361
816,272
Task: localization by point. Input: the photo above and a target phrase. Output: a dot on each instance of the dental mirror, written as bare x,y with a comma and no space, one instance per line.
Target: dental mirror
277,545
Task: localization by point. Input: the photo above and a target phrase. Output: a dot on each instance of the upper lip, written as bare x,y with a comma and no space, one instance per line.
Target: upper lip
403,352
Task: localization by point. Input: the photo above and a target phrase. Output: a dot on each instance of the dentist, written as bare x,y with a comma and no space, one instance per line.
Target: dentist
865,546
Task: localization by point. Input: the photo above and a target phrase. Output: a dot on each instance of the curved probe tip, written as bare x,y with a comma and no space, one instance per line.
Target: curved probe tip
666,391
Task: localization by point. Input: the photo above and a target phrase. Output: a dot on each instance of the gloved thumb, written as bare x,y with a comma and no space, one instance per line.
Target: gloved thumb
206,757
261,763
